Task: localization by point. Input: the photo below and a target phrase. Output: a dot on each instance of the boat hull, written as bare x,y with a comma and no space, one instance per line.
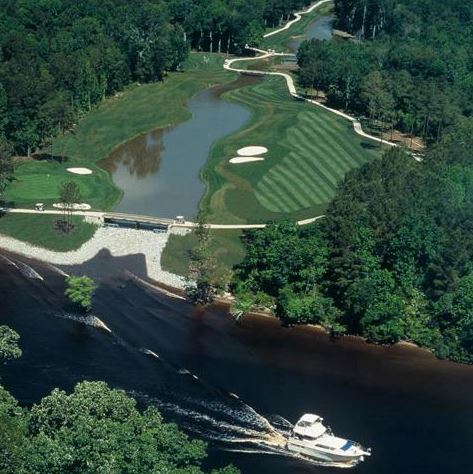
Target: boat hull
296,446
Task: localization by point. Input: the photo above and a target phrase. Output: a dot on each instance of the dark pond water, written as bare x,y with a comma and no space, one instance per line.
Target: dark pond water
414,411
159,171
320,29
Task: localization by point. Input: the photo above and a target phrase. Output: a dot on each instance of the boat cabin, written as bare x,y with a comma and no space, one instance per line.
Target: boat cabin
310,426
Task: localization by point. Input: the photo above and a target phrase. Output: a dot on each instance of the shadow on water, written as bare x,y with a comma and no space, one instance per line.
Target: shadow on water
232,384
159,171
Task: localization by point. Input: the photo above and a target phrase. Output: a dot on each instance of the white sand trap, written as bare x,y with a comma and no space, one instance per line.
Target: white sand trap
245,159
252,150
79,170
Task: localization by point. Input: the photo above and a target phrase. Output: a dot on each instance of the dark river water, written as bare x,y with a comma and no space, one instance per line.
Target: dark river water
159,171
414,411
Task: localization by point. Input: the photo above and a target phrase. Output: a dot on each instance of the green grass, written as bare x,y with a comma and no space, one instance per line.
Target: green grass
280,41
226,246
38,181
117,120
310,150
39,230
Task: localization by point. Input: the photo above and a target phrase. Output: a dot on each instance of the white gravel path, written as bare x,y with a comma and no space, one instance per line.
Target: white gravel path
120,242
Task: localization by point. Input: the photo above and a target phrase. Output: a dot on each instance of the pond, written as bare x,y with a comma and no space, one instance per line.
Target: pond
159,172
320,29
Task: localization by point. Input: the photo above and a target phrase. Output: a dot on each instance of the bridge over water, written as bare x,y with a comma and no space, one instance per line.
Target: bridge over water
140,221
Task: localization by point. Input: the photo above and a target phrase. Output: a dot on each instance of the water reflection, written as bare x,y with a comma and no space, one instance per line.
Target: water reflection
140,157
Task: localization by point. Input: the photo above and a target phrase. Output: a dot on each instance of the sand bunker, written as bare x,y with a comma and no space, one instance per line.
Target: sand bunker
79,170
247,159
252,150
75,207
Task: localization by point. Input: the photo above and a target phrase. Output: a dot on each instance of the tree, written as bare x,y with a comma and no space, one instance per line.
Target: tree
202,281
91,430
69,194
242,305
9,348
307,308
80,291
6,166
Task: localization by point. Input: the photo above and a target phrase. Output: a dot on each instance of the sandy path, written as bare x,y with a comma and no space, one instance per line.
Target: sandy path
263,54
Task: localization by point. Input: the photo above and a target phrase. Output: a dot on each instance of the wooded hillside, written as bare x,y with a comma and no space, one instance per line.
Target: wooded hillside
411,68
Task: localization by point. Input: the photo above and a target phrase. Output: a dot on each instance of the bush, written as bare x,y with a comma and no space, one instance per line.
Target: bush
80,291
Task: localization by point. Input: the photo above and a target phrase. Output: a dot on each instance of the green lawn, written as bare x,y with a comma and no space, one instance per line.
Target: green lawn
226,246
117,120
310,150
40,230
279,42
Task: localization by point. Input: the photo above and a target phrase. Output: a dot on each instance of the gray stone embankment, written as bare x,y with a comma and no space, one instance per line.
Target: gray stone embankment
119,242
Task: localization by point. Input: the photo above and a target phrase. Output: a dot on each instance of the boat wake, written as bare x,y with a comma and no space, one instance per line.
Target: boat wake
88,320
24,269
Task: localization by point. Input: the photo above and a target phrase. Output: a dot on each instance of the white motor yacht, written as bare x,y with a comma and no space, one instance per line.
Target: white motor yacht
310,438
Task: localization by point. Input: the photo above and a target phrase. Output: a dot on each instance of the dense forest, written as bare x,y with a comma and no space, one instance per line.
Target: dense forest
410,68
93,429
392,260
60,57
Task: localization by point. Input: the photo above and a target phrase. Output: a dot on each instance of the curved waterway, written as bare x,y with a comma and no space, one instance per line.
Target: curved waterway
320,29
237,386
159,172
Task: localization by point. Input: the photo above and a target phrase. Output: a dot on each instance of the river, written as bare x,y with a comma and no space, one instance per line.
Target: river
230,384
414,411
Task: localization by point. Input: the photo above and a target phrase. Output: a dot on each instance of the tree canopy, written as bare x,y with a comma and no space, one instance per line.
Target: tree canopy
393,258
95,429
58,58
410,68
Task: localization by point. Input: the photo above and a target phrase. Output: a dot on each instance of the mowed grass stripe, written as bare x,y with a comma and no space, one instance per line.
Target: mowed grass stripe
319,161
279,186
303,167
317,183
304,180
312,187
318,125
339,162
302,194
318,145
278,191
309,176
346,146
266,197
287,183
285,203
324,163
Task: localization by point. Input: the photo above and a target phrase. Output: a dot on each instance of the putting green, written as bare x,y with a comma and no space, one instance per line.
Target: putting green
39,181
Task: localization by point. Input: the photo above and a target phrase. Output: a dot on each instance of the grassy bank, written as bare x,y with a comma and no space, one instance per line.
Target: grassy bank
40,231
117,120
226,246
279,42
310,150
